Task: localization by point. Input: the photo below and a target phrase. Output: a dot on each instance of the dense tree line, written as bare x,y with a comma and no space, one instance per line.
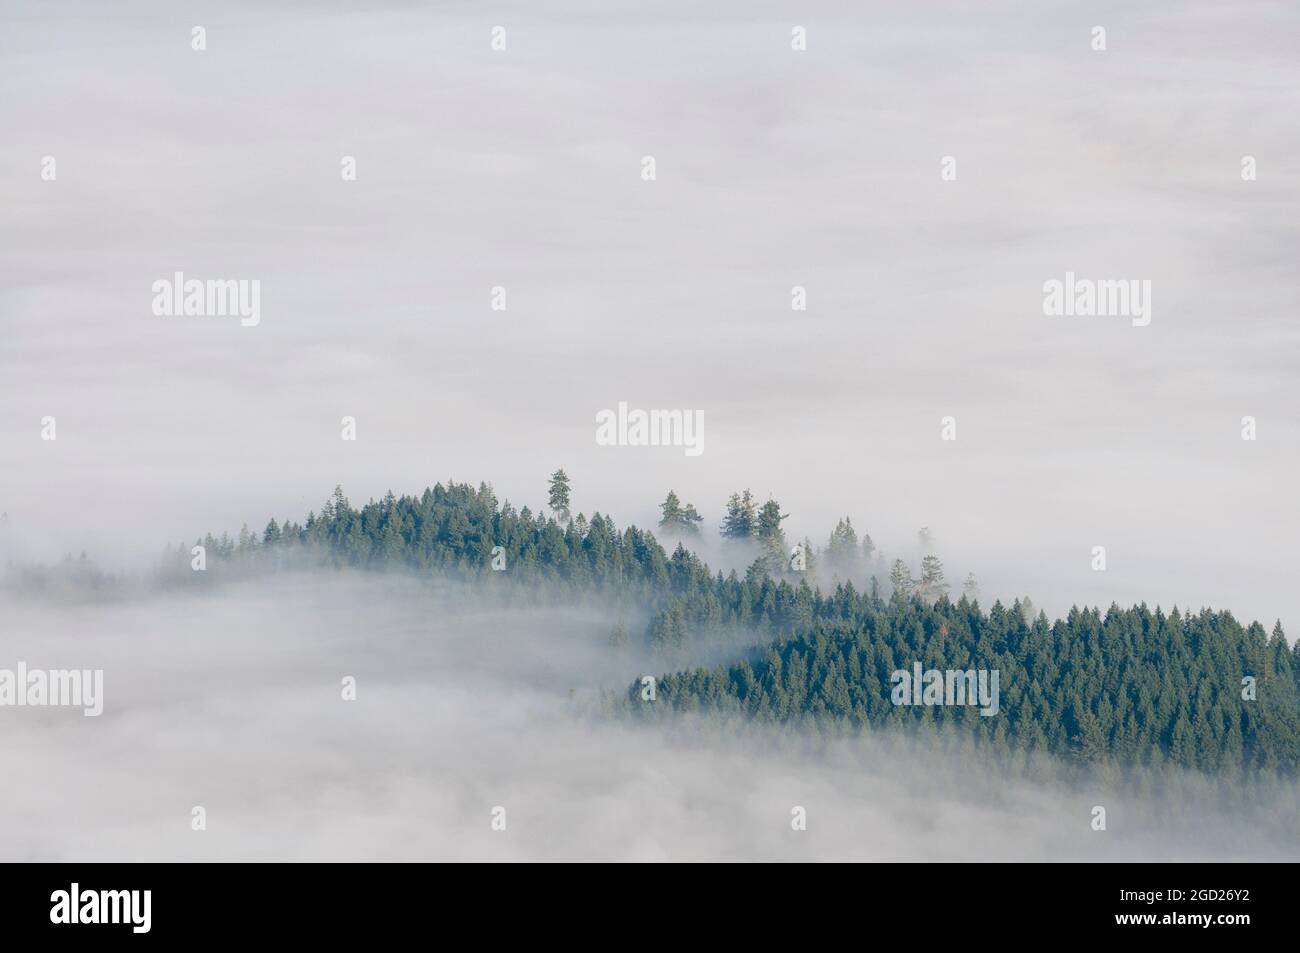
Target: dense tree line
1129,685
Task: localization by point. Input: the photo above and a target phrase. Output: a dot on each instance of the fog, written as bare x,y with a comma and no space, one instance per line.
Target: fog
521,169
231,699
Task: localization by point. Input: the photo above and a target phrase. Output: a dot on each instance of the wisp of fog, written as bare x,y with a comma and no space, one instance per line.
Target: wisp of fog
230,699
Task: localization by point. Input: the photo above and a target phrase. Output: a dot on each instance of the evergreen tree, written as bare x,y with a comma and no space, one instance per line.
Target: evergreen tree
932,582
843,539
900,577
775,557
691,520
559,495
679,520
741,521
769,526
842,550
671,508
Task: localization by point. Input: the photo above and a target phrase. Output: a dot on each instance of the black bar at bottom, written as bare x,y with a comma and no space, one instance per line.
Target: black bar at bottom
334,902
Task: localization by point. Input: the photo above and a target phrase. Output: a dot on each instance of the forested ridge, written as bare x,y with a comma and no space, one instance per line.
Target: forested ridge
1125,685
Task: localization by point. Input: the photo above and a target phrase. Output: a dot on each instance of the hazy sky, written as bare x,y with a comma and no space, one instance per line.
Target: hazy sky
775,168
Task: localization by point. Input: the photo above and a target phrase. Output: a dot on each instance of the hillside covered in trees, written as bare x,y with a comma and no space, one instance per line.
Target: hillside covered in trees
1128,686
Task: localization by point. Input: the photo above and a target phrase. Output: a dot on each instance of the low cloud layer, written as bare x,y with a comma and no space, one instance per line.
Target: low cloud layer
231,700
520,169
776,168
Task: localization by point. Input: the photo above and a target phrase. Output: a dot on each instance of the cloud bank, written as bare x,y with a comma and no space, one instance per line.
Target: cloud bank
231,700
